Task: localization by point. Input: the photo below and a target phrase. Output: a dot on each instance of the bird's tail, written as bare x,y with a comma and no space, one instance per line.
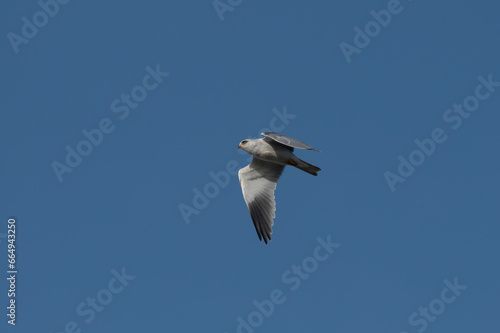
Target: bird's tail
304,166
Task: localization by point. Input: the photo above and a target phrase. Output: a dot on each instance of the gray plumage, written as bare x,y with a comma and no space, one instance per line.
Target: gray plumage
258,179
287,141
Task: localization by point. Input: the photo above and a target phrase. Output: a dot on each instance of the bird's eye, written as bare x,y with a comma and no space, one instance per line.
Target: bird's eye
244,142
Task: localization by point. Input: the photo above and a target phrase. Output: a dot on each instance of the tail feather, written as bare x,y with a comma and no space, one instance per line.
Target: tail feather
307,167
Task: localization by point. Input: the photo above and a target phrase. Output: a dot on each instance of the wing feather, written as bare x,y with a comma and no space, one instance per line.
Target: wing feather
286,141
258,182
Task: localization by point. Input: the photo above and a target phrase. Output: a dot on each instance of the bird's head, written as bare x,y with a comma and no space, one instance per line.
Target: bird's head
247,145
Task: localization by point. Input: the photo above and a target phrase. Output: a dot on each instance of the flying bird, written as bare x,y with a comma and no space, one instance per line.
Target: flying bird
258,179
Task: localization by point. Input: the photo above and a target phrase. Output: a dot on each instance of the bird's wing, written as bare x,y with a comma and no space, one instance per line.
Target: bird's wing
285,140
258,181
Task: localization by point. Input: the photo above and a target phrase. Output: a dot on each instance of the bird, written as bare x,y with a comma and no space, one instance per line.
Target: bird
258,180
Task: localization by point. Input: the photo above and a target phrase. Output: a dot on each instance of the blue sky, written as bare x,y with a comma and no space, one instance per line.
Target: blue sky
406,121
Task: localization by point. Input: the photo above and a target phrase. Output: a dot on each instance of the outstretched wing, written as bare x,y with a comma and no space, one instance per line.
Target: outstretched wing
287,141
258,181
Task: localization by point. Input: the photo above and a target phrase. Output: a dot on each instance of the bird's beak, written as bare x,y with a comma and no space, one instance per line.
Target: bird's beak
239,146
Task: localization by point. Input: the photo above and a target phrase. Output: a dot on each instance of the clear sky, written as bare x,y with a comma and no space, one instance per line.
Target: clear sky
117,115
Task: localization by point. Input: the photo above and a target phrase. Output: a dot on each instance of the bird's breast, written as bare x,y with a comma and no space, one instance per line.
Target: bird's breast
270,154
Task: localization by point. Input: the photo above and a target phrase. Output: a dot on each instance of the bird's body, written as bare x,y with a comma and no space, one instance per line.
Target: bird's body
268,151
258,179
